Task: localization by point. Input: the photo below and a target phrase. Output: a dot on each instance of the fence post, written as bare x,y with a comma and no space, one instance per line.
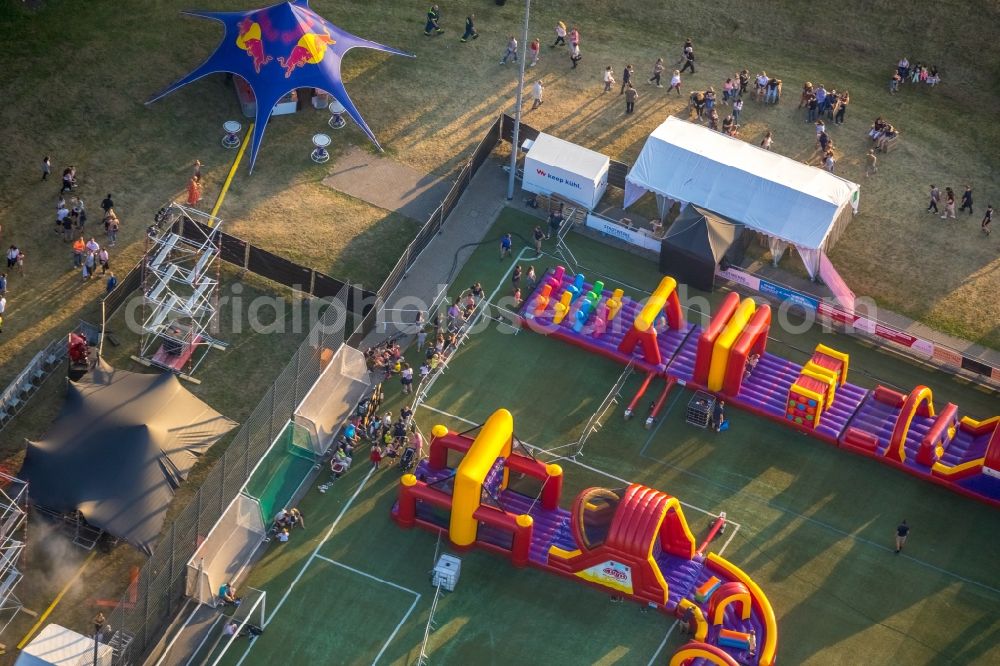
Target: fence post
312,282
246,257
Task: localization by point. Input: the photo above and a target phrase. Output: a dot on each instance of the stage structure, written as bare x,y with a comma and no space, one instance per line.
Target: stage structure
180,285
13,533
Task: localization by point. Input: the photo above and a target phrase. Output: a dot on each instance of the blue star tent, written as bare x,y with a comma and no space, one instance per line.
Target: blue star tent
276,50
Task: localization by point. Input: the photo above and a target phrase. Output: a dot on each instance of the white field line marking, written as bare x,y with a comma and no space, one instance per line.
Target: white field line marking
208,634
180,631
576,462
311,557
368,575
729,539
416,600
663,644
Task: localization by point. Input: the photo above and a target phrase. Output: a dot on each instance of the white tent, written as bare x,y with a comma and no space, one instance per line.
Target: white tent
556,167
58,646
792,203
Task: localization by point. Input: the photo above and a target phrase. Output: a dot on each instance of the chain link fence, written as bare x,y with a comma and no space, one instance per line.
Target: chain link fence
140,624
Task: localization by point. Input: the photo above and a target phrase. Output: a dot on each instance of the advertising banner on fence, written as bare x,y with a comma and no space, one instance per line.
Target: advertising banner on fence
782,292
871,327
622,233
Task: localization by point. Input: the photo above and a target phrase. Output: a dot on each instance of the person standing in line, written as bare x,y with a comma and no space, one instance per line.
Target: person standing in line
515,278
104,259
987,218
107,204
737,109
533,48
511,51
537,91
560,35
406,378
574,54
531,277
631,95
902,531
949,204
838,117
767,141
935,197
626,78
872,167
46,167
828,161
967,199
744,81
433,25
3,310
609,79
675,82
197,170
470,28
112,282
657,72
3,283
421,338
538,236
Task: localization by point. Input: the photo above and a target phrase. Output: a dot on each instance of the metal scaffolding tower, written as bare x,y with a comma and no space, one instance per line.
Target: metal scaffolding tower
180,284
13,534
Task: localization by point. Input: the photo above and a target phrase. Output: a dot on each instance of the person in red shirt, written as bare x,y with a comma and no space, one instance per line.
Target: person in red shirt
376,457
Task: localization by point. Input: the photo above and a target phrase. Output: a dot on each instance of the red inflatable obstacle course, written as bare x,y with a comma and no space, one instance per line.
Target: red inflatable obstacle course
632,542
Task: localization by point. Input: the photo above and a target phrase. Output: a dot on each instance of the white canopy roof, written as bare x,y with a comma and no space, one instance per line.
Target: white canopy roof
56,645
773,194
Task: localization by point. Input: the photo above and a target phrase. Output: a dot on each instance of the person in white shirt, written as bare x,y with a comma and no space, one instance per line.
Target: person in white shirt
536,93
93,245
675,82
609,79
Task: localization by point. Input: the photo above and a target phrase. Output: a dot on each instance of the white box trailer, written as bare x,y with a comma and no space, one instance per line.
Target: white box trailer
560,168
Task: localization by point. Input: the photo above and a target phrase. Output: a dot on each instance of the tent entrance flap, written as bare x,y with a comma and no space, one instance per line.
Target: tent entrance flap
697,243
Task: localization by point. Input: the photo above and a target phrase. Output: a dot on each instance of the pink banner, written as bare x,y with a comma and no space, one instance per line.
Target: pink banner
832,279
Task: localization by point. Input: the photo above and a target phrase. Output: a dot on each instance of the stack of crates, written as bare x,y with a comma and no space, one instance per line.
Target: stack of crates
699,409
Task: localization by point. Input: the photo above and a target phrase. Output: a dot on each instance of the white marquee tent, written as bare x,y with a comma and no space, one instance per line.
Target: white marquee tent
578,174
790,202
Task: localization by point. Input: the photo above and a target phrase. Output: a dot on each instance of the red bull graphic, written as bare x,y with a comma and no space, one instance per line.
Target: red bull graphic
310,49
249,40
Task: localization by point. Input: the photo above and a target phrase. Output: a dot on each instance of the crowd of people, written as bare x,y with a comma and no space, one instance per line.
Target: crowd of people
916,73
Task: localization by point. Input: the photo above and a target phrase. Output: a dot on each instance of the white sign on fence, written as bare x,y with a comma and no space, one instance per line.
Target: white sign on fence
623,233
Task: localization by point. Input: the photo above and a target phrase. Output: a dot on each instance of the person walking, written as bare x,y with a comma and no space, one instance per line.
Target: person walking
574,54
675,82
560,35
533,48
987,218
505,245
511,51
538,235
537,91
46,167
935,198
872,167
949,204
631,95
112,282
609,79
574,37
967,199
902,531
3,310
470,28
433,25
107,204
688,61
767,141
626,78
104,259
657,72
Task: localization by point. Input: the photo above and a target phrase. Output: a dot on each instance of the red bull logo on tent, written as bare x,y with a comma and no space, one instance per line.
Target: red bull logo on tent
279,49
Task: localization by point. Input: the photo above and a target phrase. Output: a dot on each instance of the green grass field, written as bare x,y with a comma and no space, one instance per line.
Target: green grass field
814,523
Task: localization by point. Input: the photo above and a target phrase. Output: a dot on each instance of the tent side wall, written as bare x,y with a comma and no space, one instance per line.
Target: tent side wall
227,550
549,171
333,398
687,268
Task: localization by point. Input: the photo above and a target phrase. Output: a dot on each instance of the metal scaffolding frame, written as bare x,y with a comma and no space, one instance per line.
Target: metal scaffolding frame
13,535
180,285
